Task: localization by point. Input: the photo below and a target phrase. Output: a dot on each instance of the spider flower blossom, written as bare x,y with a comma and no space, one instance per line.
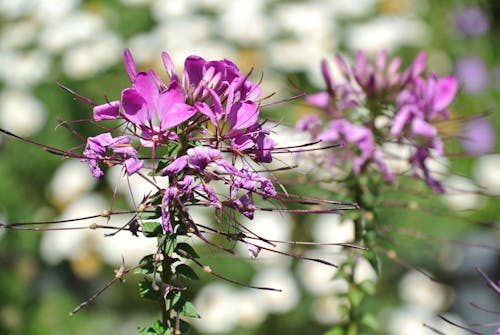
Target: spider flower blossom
198,128
410,101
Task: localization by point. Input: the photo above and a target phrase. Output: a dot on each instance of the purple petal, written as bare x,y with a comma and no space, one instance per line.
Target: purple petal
200,157
172,110
107,111
243,114
193,70
253,250
135,108
320,99
129,64
169,66
132,165
446,88
242,142
420,127
175,167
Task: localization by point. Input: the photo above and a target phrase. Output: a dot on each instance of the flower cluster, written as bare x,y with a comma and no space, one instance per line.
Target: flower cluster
196,129
377,104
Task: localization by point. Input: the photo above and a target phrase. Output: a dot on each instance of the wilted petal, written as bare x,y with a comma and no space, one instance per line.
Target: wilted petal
253,250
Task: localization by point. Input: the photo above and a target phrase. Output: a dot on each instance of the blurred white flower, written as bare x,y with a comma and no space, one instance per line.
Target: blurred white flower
298,55
384,32
13,9
304,19
71,30
91,57
124,244
363,270
272,226
411,320
245,22
486,174
50,11
251,307
461,194
216,303
59,245
417,289
18,34
317,278
332,229
397,156
71,179
136,2
133,187
145,47
327,309
278,278
21,113
167,10
24,68
345,9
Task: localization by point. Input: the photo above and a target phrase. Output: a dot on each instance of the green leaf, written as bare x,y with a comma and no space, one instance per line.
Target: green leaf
147,268
189,310
160,328
335,331
188,249
146,291
186,271
169,244
171,299
370,321
151,215
151,228
367,286
355,296
157,329
184,326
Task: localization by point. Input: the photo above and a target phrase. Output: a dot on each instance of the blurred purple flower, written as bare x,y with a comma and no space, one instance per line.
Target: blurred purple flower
472,74
471,21
478,137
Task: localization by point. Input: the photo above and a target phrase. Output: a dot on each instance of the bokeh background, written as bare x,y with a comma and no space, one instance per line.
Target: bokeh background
80,44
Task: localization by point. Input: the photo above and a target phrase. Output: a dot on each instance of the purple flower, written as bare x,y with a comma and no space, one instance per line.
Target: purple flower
245,205
153,110
382,77
472,74
96,148
471,21
338,96
421,103
308,123
478,137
